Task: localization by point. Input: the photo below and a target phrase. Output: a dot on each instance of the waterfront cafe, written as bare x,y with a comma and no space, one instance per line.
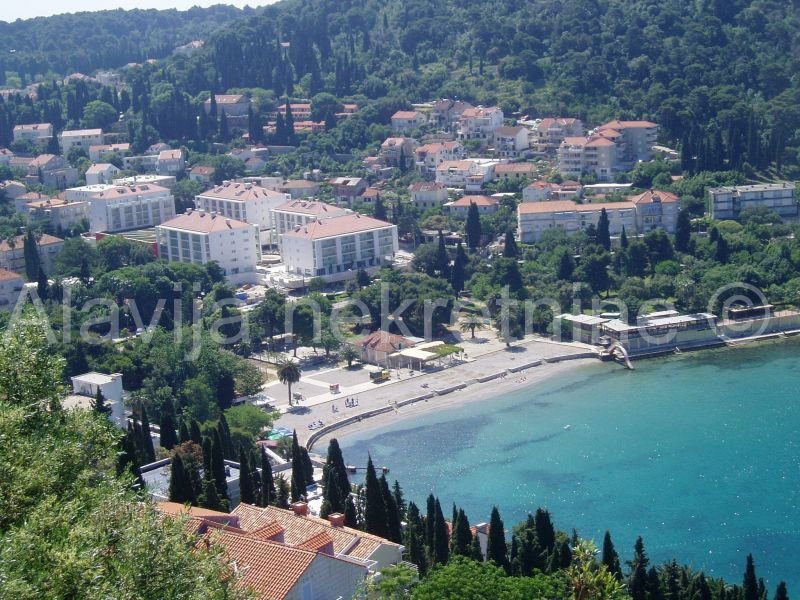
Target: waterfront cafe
662,332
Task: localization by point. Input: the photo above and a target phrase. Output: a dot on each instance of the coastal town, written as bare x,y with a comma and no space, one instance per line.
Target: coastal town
237,276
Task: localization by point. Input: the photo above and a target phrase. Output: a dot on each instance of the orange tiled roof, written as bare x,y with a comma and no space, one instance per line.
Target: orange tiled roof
465,201
342,225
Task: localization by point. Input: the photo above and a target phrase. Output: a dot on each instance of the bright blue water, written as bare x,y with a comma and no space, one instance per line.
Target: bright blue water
696,453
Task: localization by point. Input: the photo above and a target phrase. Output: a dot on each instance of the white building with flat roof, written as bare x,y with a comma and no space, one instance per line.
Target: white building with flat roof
336,248
36,133
80,138
729,202
110,386
101,173
121,207
200,237
295,213
244,202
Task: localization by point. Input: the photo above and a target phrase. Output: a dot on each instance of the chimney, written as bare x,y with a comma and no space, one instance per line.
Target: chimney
189,211
202,212
300,509
336,519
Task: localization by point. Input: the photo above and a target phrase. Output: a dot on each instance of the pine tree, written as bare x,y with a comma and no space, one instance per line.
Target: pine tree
394,528
496,550
375,520
510,245
750,583
653,587
441,541
458,274
683,232
99,403
267,492
442,258
147,439
610,557
169,438
246,491
473,226
218,467
603,232
637,580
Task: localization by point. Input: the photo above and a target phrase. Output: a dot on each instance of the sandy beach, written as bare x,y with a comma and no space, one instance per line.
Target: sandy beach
491,370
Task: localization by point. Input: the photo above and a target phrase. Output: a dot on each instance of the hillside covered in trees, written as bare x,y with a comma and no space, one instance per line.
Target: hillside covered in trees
84,42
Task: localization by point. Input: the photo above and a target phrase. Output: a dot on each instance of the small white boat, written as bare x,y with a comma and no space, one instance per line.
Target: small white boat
567,427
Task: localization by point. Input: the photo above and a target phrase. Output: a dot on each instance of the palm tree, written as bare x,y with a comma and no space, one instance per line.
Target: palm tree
471,323
348,354
289,372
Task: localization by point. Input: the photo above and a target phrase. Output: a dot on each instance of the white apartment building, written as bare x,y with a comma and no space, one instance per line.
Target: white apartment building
594,154
479,123
295,213
199,237
511,142
650,210
244,202
638,137
60,213
121,207
406,121
430,156
427,194
165,181
170,162
36,133
336,248
486,205
547,134
454,173
101,173
80,138
729,202
101,151
109,385
11,285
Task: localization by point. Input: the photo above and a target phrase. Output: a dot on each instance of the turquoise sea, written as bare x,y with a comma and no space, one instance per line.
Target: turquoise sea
697,453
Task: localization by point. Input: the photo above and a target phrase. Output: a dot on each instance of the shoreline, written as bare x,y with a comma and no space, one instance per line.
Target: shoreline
456,398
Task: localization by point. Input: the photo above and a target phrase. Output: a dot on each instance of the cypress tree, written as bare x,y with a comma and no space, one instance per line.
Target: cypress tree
545,532
180,487
496,550
750,583
442,258
430,516
99,403
780,592
183,432
380,210
413,539
331,502
281,492
610,557
42,286
441,542
227,442
224,132
194,432
637,580
722,252
375,520
308,467
298,484
475,552
603,232
683,232
211,499
126,459
623,238
169,439
350,513
218,467
267,495
30,251
654,586
565,554
393,522
473,226
458,274
207,469
462,536
335,470
397,494
566,265
246,491
289,123
510,245
147,440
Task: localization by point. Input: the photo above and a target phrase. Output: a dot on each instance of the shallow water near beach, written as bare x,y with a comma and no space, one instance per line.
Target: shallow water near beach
698,453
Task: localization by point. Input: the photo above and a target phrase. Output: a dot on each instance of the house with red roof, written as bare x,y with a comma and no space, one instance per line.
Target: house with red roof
406,121
486,205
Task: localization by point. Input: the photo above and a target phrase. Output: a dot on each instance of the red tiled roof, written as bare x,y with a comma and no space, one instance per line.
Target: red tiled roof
465,201
242,192
515,168
406,114
19,242
650,196
6,275
311,207
200,221
425,186
383,341
616,124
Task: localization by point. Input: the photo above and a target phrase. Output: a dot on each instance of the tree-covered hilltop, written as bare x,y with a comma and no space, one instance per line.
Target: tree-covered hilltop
84,42
710,72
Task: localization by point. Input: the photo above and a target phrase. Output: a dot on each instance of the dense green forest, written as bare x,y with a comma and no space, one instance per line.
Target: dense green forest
85,42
